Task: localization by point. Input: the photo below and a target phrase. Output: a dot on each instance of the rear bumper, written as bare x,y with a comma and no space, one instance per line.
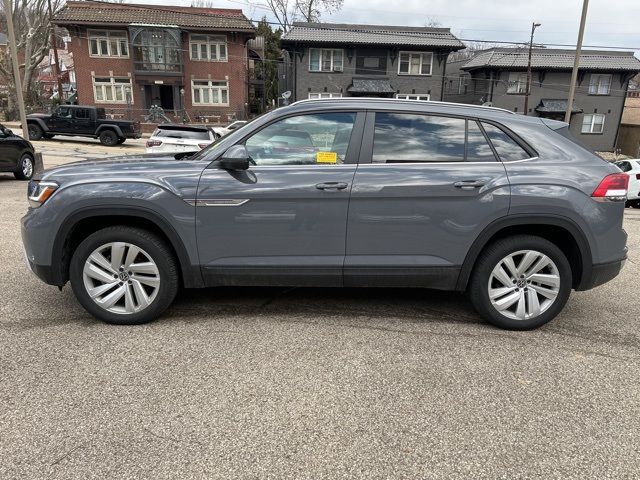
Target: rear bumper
601,274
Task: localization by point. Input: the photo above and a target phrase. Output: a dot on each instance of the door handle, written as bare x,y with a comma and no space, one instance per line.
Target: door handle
332,186
469,184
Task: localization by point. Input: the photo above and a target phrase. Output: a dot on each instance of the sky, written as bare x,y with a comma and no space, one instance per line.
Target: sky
609,22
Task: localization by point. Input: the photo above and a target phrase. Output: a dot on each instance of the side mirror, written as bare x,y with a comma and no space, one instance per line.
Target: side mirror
8,133
235,158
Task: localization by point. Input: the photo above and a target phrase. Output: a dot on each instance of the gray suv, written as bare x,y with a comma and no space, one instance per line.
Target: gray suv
341,192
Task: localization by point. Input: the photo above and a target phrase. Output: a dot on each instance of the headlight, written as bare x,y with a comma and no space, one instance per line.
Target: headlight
38,192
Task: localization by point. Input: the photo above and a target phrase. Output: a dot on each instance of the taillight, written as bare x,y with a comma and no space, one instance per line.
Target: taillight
612,187
153,143
203,145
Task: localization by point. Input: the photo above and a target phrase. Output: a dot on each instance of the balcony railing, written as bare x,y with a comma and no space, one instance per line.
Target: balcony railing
157,50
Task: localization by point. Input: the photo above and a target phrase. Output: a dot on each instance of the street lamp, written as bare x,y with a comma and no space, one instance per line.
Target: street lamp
534,25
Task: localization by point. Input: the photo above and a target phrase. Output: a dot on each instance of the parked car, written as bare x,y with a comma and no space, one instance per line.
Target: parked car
390,193
168,138
16,155
632,168
82,121
222,131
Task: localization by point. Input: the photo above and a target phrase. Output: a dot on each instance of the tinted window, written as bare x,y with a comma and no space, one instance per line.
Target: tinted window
303,140
401,137
624,166
478,150
178,133
82,113
508,150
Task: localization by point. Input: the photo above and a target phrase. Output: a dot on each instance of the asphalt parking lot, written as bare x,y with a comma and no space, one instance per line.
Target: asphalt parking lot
312,383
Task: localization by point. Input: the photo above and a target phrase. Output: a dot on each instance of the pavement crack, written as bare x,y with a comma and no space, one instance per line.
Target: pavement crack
68,453
171,439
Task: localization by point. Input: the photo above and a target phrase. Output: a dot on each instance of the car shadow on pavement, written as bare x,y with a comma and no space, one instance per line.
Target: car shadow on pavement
411,304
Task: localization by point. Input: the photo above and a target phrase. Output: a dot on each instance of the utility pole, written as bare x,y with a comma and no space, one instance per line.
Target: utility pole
534,25
576,62
56,71
8,10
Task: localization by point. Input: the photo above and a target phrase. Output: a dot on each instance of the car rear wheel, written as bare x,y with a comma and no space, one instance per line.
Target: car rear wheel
124,275
35,131
108,138
25,168
520,282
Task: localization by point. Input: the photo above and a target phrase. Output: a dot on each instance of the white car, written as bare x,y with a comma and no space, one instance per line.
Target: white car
170,138
222,131
632,168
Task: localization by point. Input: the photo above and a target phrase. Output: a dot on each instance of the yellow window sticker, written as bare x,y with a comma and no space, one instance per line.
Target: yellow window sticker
326,157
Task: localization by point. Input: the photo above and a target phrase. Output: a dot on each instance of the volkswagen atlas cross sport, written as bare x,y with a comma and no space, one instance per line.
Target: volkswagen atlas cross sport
340,192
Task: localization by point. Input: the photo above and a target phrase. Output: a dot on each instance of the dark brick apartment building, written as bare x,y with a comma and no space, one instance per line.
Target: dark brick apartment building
191,62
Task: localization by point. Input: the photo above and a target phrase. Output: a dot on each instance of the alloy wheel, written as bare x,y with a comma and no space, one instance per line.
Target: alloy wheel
121,278
27,166
524,284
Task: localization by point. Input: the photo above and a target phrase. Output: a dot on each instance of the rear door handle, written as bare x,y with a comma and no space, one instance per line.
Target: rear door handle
469,184
332,186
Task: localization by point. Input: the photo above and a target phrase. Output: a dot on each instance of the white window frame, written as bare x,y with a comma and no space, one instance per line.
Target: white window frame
420,54
323,52
111,88
211,43
108,38
592,123
210,88
319,95
596,83
425,97
517,83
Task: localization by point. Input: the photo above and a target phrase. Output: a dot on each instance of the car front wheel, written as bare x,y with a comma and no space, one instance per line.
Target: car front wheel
35,131
25,168
520,282
124,275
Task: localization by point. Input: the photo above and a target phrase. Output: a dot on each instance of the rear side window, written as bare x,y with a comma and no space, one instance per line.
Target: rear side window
506,147
186,134
478,150
624,166
82,113
402,137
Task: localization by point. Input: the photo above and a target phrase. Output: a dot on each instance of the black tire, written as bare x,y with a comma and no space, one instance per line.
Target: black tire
492,255
635,204
121,140
108,138
157,250
24,173
35,131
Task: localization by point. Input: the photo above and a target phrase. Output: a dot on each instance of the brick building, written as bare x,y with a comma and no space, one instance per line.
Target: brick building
129,58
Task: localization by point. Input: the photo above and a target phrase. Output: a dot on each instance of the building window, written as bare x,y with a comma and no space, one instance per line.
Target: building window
463,81
600,84
325,95
593,123
517,83
415,63
211,48
411,96
108,43
325,60
210,92
111,90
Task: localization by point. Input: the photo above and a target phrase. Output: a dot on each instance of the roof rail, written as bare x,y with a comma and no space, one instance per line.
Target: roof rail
399,100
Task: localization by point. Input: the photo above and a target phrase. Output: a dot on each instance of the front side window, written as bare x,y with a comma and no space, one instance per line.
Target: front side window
506,147
404,137
593,123
325,95
212,48
111,89
325,60
599,84
415,63
64,112
108,43
517,83
210,92
320,139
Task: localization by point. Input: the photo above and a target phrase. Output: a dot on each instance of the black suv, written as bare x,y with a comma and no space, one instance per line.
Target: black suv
16,155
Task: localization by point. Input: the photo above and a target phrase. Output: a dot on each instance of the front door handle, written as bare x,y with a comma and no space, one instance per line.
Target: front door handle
332,186
469,184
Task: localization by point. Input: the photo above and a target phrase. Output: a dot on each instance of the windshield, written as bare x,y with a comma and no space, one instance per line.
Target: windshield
202,154
182,133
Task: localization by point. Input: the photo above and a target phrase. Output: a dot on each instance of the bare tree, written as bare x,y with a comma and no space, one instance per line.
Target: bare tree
288,11
33,30
432,22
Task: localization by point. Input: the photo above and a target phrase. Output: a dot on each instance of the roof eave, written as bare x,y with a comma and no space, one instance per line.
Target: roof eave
127,24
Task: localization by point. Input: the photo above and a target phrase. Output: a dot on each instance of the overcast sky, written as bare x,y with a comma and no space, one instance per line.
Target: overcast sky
609,22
